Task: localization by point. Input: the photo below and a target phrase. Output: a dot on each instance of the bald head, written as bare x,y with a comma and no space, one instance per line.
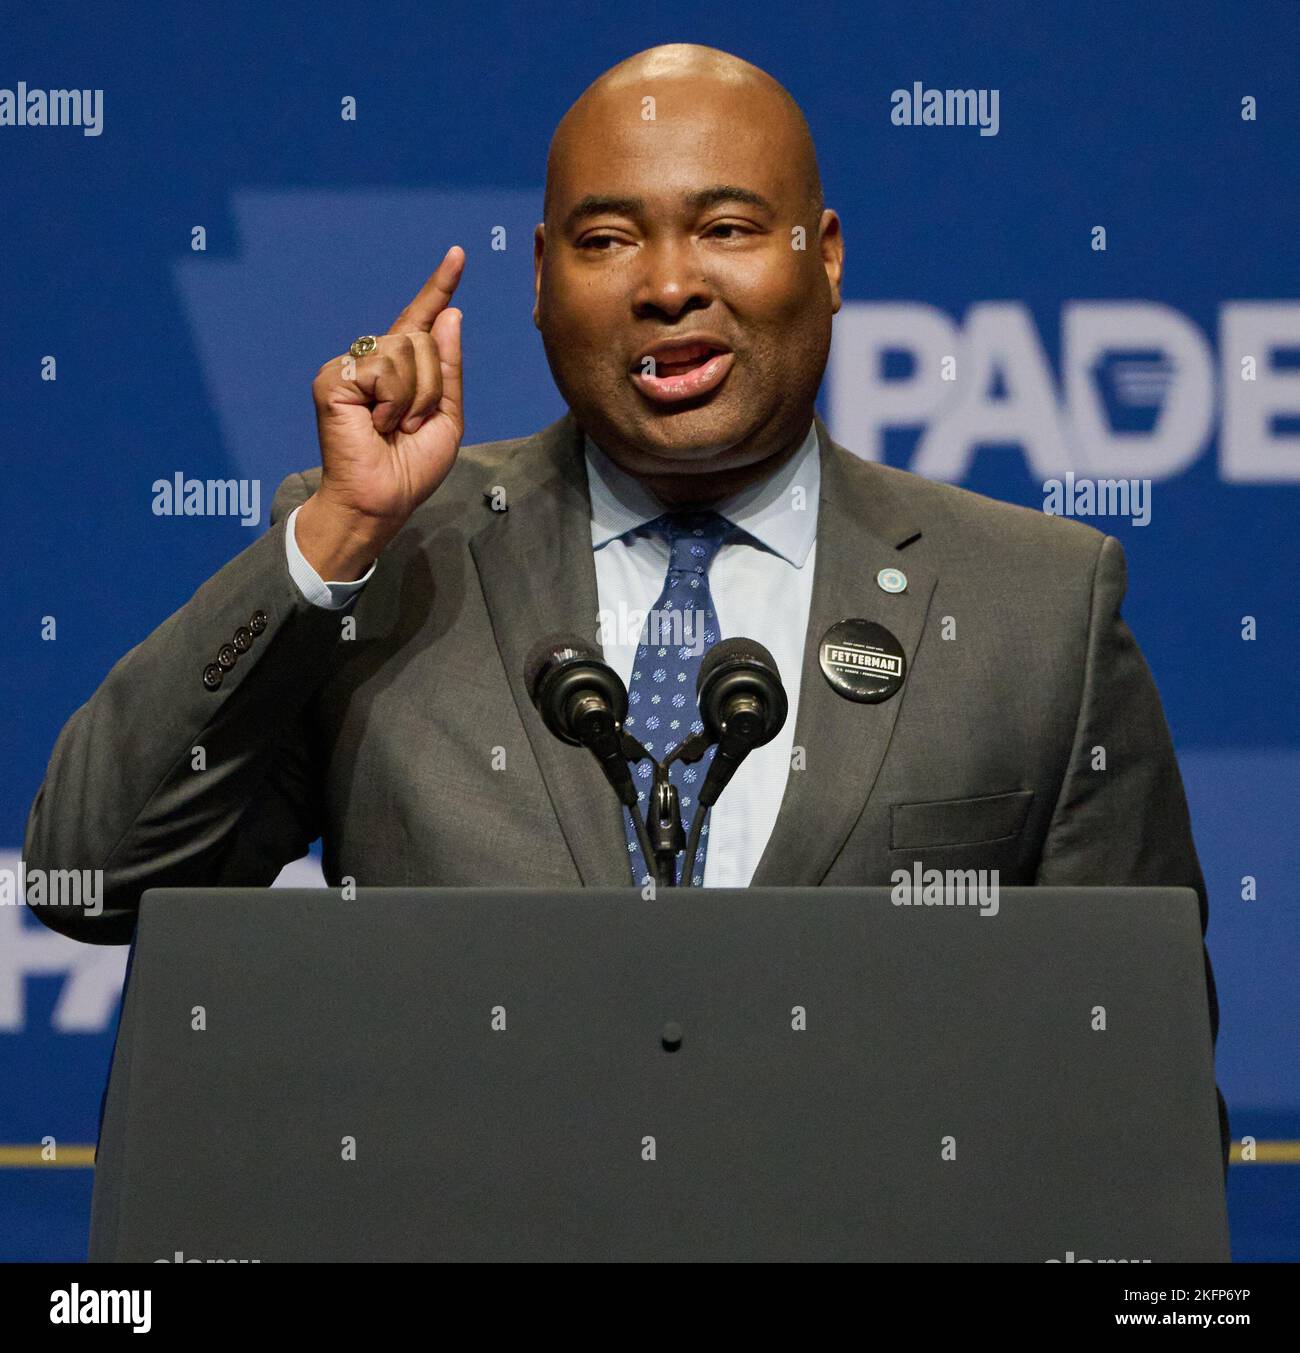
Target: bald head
675,77
687,271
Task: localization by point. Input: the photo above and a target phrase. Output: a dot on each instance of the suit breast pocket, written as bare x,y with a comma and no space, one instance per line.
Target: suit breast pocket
959,822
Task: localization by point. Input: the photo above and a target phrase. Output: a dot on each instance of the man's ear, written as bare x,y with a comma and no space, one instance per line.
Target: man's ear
831,244
539,248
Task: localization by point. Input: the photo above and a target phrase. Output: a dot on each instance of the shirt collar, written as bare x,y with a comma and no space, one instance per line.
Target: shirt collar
766,510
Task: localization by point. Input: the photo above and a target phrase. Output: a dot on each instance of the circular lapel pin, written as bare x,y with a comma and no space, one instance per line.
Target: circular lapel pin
891,580
862,661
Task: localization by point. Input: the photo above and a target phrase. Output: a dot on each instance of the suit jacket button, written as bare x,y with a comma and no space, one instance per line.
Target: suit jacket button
213,676
227,656
258,623
243,640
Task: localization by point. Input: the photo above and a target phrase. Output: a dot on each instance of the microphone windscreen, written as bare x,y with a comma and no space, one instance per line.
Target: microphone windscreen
736,650
551,649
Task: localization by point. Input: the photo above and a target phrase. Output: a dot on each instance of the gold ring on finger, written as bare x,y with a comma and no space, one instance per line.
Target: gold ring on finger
364,346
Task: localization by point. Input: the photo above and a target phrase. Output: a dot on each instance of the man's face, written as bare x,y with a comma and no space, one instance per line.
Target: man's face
676,229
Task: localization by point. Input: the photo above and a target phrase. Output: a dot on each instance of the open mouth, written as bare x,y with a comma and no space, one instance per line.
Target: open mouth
678,361
681,371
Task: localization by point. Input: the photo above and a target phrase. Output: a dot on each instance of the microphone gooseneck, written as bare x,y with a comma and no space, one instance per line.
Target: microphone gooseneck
583,702
742,704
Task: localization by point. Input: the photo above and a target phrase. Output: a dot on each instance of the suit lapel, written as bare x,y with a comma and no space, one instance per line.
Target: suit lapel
538,574
860,529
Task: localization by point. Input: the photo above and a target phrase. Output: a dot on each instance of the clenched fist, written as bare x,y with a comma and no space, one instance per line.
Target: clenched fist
389,425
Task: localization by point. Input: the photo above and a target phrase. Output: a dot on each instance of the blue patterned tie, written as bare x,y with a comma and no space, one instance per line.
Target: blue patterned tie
661,695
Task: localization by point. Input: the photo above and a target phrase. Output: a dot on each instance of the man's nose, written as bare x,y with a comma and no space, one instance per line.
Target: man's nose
671,277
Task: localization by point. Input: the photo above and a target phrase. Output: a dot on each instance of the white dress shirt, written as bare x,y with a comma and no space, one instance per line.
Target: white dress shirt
761,584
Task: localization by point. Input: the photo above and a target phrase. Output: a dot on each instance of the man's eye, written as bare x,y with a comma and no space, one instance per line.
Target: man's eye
729,225
593,241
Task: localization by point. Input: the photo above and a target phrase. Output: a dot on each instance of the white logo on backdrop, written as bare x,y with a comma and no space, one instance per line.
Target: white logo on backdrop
1139,394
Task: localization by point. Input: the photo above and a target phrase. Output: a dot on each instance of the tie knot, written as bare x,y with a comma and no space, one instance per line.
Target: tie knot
694,537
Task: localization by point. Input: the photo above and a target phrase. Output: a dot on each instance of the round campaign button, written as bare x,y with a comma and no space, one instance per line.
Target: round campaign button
862,661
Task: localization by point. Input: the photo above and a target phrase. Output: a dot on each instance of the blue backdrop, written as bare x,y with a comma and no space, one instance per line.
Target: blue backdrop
1171,356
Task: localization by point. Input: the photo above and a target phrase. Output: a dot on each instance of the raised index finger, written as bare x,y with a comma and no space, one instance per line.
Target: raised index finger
431,300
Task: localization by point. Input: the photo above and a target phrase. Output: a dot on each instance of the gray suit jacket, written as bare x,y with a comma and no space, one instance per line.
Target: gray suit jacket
410,744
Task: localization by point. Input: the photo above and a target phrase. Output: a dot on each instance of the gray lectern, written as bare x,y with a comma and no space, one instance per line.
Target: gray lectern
760,1074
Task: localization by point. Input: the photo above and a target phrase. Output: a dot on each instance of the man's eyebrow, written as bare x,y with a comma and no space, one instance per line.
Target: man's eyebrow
596,204
727,192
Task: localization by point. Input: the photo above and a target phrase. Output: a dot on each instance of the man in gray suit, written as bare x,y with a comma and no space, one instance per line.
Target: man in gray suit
686,276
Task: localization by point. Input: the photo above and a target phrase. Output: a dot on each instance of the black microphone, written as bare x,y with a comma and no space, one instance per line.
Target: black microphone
742,705
584,703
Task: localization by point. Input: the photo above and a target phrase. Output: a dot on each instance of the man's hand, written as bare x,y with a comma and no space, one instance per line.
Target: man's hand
389,425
